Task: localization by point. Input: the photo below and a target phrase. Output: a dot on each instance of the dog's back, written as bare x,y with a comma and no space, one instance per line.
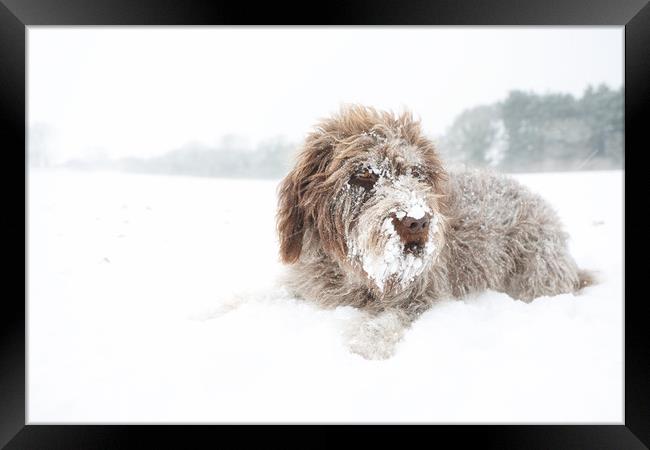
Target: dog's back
506,238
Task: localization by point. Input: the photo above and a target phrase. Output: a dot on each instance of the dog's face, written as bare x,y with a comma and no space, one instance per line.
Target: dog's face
367,189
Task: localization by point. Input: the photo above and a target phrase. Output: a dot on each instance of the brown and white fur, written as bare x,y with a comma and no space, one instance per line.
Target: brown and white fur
369,217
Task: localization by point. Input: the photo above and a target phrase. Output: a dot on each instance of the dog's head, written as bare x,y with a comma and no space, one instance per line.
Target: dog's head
368,189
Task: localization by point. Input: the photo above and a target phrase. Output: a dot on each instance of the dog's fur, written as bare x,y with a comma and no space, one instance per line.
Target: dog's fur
337,230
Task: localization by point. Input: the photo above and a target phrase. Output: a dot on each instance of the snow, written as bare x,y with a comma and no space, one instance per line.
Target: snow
152,299
417,207
392,260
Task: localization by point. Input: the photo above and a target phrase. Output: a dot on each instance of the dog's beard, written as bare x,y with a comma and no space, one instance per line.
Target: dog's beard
386,259
375,247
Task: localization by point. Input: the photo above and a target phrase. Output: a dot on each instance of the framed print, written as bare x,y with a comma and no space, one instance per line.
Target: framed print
376,217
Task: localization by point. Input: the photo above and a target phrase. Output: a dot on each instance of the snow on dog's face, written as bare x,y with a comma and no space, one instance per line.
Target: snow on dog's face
392,223
367,191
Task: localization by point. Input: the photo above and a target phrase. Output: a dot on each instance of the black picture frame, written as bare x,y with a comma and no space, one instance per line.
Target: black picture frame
16,15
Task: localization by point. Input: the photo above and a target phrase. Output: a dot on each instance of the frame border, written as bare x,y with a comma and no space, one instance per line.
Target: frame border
16,15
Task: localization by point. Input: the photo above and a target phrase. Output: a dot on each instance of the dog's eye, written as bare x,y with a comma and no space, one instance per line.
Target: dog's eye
415,173
365,179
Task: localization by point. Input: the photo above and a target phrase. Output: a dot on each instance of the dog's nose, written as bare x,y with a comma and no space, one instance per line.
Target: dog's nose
411,225
412,231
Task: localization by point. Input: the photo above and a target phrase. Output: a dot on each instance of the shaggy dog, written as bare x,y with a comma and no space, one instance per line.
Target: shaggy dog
369,217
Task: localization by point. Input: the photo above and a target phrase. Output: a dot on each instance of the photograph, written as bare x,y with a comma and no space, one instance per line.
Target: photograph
325,225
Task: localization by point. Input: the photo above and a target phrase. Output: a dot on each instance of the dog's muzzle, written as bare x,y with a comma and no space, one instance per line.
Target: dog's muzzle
413,232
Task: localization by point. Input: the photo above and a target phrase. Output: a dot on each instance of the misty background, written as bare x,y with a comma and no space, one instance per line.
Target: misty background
237,102
158,298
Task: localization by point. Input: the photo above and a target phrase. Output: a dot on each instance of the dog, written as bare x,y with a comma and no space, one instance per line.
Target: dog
369,217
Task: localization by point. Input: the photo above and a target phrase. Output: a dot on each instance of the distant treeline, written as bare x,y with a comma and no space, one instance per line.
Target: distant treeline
532,132
525,132
270,159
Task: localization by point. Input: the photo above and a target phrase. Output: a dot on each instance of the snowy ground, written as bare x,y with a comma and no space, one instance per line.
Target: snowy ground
133,317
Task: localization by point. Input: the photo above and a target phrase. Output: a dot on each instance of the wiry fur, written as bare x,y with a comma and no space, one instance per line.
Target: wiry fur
491,232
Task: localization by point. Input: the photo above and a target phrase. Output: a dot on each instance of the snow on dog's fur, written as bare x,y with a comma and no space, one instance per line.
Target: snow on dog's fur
369,217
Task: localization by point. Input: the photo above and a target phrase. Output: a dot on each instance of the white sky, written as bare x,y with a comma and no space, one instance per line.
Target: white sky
145,91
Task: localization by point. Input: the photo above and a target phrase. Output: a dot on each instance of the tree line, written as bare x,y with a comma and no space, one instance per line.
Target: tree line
227,159
523,133
533,132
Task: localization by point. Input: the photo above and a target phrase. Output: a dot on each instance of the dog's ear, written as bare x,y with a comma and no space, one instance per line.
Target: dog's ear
295,202
290,218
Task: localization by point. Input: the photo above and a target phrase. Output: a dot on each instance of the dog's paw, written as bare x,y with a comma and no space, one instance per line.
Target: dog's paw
224,307
375,337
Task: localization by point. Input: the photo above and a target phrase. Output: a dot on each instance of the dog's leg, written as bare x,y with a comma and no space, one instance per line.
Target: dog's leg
223,306
551,271
235,300
375,336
